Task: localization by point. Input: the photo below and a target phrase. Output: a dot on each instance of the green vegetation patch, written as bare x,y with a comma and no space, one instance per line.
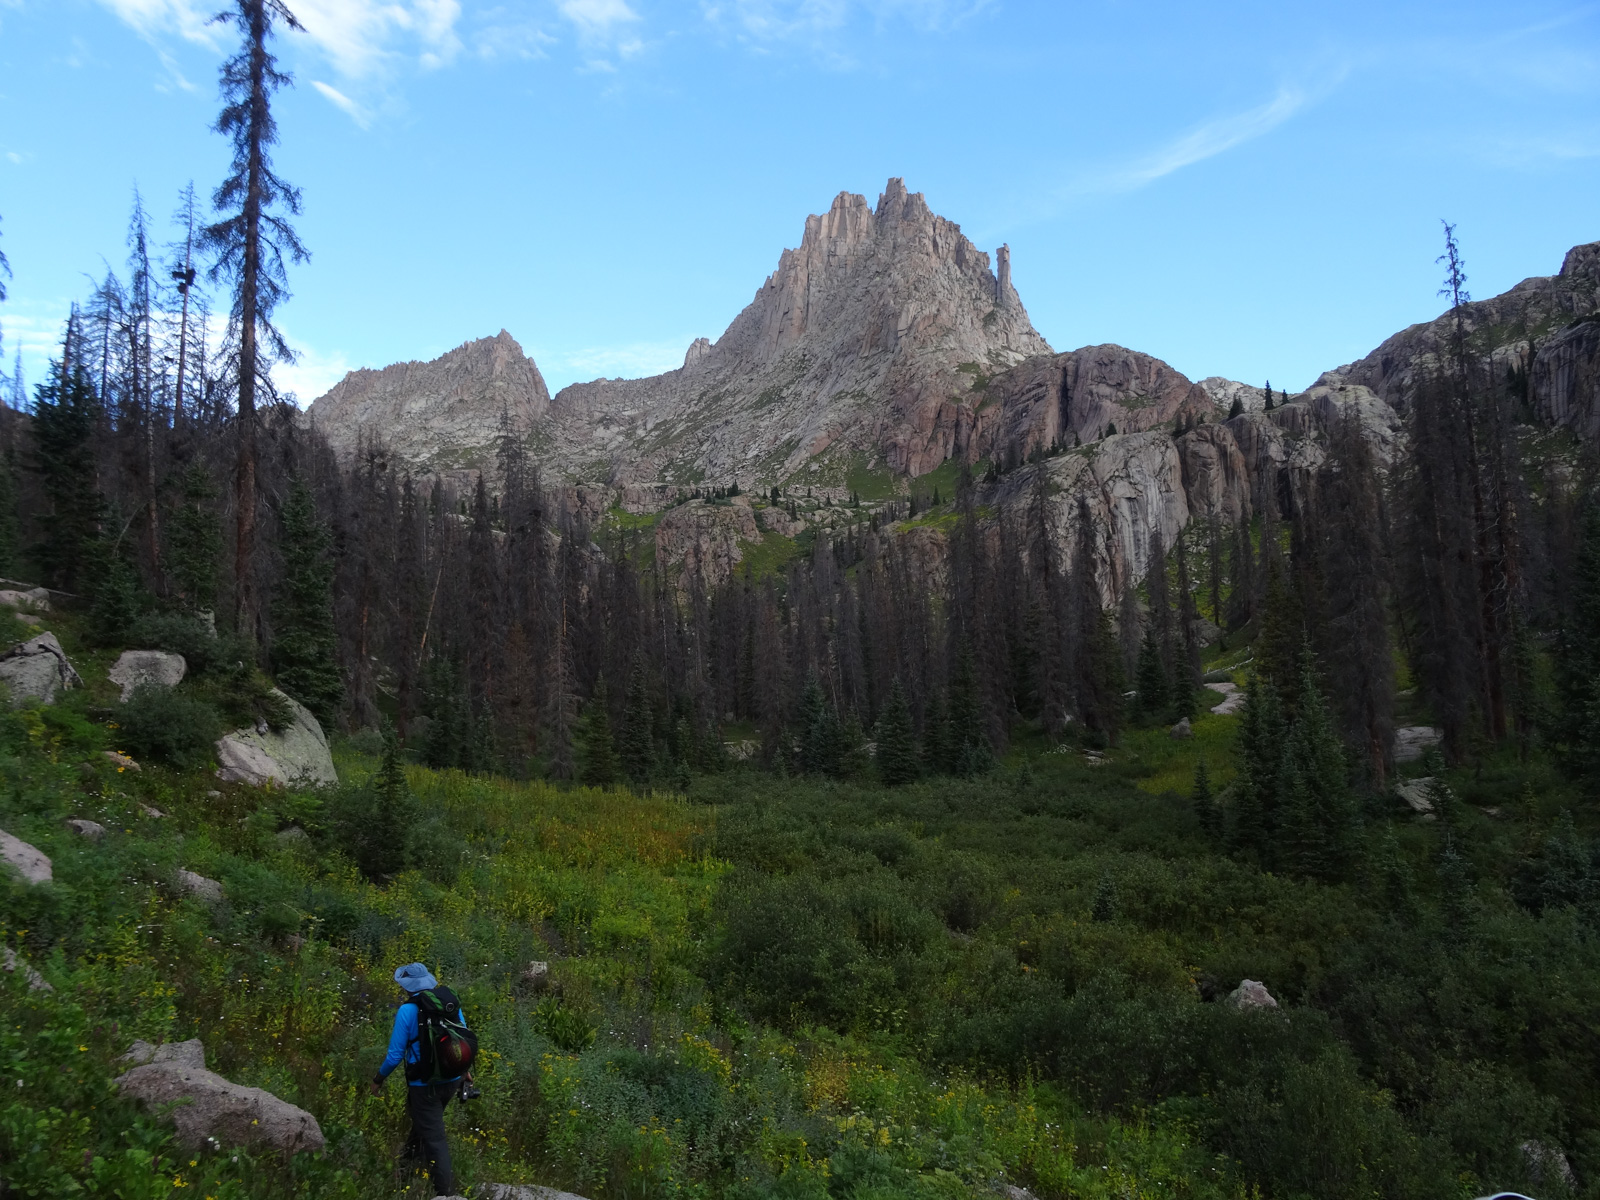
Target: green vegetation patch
769,556
870,482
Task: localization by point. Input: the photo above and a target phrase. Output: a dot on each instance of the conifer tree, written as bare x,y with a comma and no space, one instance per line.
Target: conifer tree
635,747
599,751
1104,905
971,754
897,745
66,413
250,243
936,736
194,541
1262,733
1205,803
305,643
1578,664
1154,689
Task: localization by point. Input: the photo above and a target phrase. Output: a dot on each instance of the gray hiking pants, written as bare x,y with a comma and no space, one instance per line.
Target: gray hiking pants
427,1145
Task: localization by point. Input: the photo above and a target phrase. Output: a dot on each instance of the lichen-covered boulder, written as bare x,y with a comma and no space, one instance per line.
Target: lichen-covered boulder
1413,741
37,669
136,668
199,886
1251,994
297,755
10,962
27,861
208,1109
92,830
517,1191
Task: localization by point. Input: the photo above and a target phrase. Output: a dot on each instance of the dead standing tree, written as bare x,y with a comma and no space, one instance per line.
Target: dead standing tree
250,243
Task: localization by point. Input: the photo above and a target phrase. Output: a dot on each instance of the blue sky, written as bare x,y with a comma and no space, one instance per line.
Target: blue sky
1245,189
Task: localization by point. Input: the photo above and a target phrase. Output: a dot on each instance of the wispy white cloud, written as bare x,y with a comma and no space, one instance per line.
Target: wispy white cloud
1205,141
768,22
361,39
189,19
339,100
597,18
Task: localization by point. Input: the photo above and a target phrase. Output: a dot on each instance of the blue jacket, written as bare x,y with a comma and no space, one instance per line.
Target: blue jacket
404,1044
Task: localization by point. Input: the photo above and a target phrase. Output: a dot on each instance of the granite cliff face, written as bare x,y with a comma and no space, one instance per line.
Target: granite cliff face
440,416
1538,336
863,346
885,345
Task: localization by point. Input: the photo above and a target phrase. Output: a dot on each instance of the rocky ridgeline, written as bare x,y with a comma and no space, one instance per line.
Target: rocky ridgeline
887,340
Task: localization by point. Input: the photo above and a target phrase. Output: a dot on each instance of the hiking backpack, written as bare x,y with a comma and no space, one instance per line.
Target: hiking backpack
446,1048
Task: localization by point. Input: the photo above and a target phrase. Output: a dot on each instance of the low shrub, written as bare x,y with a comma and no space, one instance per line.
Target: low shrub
167,726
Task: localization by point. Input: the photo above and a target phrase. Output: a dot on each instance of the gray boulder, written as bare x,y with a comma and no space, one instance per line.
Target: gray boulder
1251,994
33,600
136,668
92,830
26,860
1418,793
37,669
9,962
296,756
1412,742
210,1110
199,886
1181,730
519,1191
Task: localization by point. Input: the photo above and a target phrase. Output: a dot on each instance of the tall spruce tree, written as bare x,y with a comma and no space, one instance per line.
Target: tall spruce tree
305,659
66,414
635,746
250,244
897,744
599,750
193,555
970,751
1204,801
1354,574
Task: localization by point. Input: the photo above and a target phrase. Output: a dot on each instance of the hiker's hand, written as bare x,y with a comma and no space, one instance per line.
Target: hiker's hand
375,1087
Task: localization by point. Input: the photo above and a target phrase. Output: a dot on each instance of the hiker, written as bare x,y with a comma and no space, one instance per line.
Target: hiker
431,1037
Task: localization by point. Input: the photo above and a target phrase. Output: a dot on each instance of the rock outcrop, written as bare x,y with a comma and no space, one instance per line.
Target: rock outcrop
135,669
517,1191
1251,994
703,538
9,962
866,340
210,1111
37,669
27,861
1536,329
296,756
440,416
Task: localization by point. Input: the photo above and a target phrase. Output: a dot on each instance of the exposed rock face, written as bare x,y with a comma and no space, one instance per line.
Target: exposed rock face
1216,478
698,349
852,346
1133,486
136,668
1054,399
1224,392
1566,378
440,416
33,600
92,830
37,669
297,756
1251,994
1507,330
217,1111
1412,742
704,538
27,861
